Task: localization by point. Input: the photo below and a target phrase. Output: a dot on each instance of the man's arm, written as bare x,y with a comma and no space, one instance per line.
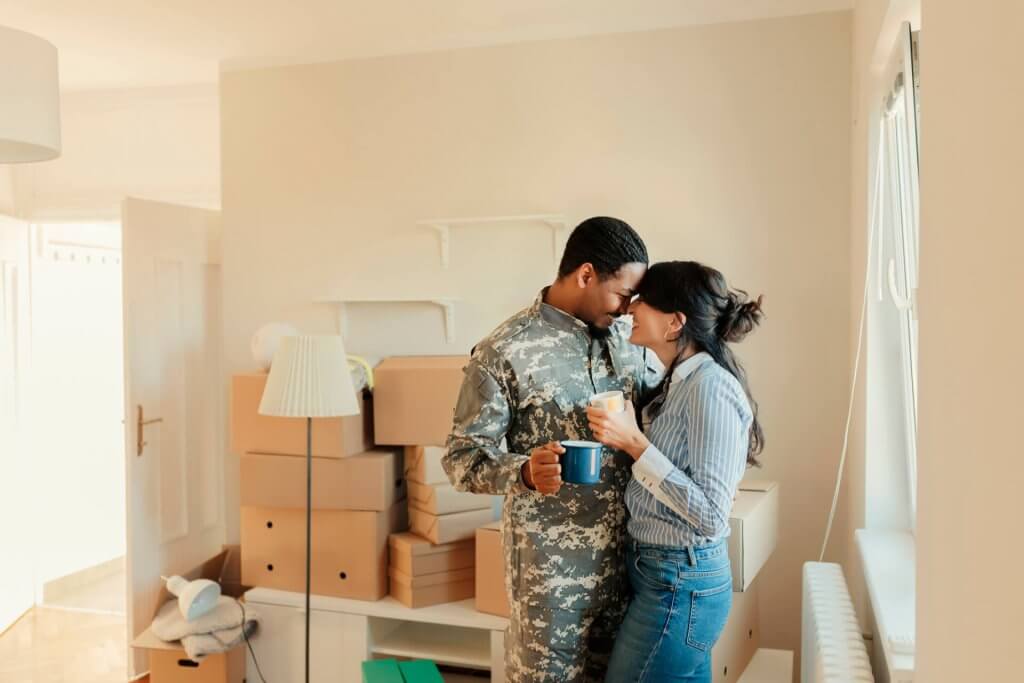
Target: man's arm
474,460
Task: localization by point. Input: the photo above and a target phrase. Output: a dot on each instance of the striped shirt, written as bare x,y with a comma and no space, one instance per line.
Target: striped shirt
684,483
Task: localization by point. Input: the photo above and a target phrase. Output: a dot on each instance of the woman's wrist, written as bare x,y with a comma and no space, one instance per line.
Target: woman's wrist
637,445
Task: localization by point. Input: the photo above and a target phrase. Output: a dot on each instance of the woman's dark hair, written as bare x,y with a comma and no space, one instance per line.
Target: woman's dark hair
607,243
715,316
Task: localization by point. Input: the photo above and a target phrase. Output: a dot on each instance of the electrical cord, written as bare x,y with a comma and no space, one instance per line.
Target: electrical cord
872,218
245,636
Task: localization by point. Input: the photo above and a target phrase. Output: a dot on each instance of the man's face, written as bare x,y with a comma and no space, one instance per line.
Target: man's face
605,300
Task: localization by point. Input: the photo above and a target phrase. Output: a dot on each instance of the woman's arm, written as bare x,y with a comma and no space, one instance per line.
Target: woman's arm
716,435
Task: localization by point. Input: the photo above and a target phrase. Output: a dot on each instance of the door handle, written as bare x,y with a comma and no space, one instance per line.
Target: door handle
139,424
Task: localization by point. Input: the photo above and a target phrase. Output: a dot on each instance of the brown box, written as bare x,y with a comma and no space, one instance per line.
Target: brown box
415,556
423,465
491,596
174,666
414,399
448,528
431,589
333,437
739,640
441,499
168,662
367,481
350,550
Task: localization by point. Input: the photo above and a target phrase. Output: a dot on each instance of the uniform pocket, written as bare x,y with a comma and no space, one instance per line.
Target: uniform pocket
543,391
709,610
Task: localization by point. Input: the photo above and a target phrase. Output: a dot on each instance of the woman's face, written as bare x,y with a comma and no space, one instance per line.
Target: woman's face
651,327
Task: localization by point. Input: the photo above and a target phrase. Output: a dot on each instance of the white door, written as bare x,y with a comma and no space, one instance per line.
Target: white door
16,537
172,322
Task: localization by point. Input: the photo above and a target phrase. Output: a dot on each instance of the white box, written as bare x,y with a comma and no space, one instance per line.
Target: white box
423,465
443,499
754,525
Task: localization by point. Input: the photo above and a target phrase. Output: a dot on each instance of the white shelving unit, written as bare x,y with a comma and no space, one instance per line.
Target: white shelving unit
446,304
344,633
443,227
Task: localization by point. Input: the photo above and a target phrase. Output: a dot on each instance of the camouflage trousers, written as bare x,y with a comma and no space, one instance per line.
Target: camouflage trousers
549,645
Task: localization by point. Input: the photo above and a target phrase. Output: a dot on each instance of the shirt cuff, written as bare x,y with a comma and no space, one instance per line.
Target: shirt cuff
652,468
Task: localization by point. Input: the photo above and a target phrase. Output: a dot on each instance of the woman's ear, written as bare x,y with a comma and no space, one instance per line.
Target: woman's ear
677,324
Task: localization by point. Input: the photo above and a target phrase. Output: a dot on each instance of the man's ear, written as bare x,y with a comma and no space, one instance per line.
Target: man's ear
585,274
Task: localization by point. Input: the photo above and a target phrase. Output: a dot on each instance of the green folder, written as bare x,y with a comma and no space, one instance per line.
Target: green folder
420,671
381,671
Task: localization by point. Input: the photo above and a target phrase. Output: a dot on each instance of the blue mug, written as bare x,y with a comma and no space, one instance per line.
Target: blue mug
581,462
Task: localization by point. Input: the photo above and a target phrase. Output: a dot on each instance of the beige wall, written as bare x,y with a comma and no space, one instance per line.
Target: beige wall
728,143
154,143
970,595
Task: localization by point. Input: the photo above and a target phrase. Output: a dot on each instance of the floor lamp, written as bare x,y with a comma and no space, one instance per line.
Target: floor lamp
309,377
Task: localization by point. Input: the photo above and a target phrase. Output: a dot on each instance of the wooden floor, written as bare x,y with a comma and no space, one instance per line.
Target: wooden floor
51,645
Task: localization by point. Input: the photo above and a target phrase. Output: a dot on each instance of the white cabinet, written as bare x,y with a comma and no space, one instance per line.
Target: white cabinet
344,633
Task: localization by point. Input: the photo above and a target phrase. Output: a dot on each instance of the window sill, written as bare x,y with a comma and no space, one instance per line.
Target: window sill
888,558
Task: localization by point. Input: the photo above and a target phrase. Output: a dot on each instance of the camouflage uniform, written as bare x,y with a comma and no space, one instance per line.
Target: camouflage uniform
529,383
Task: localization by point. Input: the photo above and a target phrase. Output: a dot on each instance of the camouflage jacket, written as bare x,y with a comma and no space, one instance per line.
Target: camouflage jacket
527,384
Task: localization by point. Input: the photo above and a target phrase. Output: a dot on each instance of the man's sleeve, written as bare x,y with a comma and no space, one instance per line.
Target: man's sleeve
474,459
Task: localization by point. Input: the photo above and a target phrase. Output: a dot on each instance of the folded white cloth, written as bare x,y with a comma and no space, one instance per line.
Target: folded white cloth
218,630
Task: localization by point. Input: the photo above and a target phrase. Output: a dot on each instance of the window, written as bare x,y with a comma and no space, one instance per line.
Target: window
892,315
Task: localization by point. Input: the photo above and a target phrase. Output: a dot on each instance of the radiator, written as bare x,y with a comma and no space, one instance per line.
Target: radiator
832,648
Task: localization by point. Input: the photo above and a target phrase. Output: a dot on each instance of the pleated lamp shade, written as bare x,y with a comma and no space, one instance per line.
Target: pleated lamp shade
309,377
29,98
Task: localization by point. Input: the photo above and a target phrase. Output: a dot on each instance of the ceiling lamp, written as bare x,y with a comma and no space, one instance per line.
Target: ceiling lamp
29,98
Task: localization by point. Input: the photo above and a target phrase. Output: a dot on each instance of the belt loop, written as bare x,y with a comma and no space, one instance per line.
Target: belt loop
693,555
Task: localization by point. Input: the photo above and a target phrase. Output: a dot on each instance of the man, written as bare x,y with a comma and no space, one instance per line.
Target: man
529,384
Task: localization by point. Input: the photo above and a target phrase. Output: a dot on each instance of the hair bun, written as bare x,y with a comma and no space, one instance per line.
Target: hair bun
739,317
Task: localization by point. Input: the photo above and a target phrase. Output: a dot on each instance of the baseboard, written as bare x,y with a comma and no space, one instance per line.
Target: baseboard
59,588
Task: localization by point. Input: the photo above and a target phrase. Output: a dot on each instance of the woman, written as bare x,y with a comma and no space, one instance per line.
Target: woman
699,433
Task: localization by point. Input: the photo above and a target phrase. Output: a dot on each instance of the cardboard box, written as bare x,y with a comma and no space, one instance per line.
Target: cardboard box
367,481
168,662
414,399
442,499
432,589
449,528
423,465
739,640
350,550
415,556
491,596
754,525
333,437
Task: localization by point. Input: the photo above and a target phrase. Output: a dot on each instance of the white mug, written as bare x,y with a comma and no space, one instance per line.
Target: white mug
612,401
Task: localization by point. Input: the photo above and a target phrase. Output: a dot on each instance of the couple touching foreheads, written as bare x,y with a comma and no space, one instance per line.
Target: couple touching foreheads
625,579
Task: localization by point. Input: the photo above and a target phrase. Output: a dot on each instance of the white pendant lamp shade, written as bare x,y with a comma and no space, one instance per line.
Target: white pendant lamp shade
309,377
29,98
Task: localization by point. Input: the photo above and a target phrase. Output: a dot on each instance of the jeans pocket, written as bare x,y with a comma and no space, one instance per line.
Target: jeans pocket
709,610
658,574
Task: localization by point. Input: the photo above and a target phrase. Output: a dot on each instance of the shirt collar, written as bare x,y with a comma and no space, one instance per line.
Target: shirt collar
686,368
556,316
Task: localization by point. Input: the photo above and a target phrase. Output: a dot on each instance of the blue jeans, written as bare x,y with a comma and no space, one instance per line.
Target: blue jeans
681,599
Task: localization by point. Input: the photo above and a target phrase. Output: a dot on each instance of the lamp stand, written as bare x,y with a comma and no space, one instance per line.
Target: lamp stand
309,525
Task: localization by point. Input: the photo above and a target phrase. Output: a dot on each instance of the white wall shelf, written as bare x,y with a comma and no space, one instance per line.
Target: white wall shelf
469,648
443,226
446,304
345,633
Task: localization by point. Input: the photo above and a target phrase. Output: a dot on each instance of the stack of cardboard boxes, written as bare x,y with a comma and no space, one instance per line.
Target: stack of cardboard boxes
358,499
415,399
